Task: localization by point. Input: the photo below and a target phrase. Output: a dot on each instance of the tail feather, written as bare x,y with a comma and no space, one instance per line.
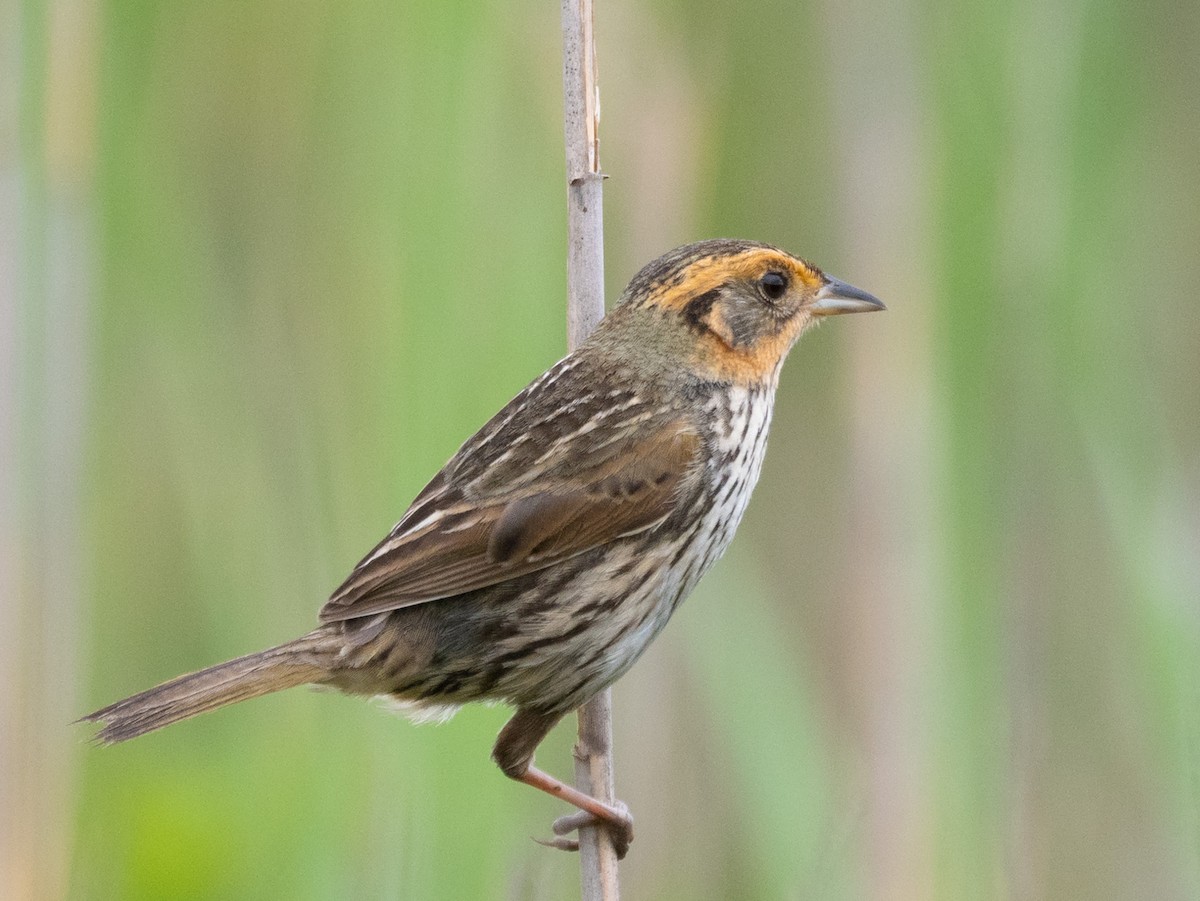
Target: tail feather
298,662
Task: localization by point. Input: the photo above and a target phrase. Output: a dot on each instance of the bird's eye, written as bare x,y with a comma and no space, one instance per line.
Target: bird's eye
773,285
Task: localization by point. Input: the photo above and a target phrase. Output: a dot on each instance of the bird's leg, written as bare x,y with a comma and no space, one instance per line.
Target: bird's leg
513,753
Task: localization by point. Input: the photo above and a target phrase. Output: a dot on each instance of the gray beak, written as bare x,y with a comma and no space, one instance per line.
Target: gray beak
838,297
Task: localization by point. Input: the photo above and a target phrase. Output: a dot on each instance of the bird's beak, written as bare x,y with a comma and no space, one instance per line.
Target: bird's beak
838,297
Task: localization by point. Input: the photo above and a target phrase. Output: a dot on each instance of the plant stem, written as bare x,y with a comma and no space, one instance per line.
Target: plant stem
585,308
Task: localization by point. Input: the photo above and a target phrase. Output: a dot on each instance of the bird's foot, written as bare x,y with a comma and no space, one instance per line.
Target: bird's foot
617,820
615,817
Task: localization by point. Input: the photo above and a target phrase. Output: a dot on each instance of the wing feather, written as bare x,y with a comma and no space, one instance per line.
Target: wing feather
450,543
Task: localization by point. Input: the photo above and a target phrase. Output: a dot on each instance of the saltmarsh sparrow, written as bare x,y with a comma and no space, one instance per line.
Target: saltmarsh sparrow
548,553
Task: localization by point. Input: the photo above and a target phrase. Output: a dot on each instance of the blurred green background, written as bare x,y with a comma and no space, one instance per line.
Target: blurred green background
266,264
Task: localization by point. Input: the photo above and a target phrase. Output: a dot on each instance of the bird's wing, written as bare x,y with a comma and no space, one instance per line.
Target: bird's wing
455,540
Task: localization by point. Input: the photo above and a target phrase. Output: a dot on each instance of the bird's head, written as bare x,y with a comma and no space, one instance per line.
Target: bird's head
732,309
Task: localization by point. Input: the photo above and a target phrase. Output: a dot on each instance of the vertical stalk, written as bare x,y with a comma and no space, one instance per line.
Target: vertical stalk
585,308
47,106
14,872
585,211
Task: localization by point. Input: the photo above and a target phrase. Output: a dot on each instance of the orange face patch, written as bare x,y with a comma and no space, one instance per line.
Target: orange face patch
723,350
708,273
750,366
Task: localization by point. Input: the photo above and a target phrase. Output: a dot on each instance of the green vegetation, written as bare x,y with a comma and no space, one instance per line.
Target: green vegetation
955,652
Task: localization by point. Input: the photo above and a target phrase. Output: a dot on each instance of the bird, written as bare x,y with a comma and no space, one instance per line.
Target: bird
545,556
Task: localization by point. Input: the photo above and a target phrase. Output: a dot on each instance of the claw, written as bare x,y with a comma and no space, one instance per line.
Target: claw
562,844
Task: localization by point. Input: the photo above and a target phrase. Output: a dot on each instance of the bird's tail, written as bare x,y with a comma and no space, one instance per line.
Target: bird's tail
307,659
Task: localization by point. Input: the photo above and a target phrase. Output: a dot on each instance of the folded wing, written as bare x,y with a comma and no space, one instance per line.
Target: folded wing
453,541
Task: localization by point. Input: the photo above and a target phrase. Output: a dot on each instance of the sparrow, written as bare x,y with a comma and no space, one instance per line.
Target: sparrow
541,561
